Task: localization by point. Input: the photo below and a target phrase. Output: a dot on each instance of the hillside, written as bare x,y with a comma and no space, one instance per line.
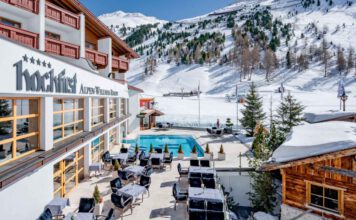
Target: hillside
206,50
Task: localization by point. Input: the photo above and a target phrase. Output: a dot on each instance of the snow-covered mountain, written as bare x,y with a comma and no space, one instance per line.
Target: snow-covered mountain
307,23
123,24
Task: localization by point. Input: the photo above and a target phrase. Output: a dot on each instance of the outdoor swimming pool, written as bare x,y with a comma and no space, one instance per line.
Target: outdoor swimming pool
173,141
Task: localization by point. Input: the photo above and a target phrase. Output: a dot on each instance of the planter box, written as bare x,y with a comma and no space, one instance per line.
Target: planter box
180,156
98,208
166,155
207,156
193,156
221,156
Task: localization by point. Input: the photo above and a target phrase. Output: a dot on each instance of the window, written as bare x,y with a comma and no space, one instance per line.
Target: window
68,173
123,106
324,197
90,45
97,112
112,109
97,149
53,35
10,23
67,118
113,138
19,127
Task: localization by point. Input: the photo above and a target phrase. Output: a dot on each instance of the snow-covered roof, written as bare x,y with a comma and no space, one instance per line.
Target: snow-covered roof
326,116
316,139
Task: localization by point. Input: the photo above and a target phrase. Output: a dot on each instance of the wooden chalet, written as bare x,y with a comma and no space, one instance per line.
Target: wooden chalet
318,167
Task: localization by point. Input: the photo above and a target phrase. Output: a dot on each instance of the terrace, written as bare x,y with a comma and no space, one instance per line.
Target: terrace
159,204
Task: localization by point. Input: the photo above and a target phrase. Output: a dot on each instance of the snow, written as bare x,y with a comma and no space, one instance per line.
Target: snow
316,139
129,19
325,116
263,216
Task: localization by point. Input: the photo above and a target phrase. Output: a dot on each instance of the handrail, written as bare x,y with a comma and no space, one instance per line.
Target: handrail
19,35
64,48
29,5
61,15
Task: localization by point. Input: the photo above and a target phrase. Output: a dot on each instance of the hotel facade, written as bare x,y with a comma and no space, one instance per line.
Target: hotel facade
64,100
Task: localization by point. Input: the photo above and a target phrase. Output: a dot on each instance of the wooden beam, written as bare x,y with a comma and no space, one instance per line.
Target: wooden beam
343,172
328,156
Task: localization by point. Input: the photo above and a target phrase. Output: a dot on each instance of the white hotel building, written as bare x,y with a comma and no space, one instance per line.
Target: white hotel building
64,100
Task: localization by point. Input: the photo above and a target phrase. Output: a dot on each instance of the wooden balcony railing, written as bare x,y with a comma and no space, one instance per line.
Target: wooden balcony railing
120,64
21,36
96,57
62,16
29,5
62,48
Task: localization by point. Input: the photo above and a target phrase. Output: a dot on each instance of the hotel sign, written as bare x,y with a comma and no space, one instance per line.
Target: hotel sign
52,81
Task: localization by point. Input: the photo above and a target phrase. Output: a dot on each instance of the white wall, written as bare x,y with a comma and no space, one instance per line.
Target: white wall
134,109
26,199
237,185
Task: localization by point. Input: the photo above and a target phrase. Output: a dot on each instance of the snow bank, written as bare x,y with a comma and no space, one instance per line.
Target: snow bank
325,116
263,216
316,139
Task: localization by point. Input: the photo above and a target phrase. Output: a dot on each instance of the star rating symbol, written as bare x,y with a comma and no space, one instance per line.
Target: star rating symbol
25,58
37,61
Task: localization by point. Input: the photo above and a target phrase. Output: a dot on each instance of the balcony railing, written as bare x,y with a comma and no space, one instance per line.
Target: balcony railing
96,57
21,36
29,5
120,64
62,48
62,16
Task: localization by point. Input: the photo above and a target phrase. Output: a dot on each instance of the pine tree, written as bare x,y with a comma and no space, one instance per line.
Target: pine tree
253,112
289,114
289,63
262,195
275,138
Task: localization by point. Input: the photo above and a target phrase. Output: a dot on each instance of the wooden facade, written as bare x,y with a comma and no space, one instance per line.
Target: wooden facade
336,175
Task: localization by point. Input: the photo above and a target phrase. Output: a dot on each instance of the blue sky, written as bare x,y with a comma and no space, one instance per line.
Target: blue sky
171,10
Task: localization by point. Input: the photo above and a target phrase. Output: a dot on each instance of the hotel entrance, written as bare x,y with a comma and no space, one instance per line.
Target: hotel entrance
68,173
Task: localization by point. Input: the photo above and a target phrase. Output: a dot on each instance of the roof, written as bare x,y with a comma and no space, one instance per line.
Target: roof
133,88
101,27
153,112
327,116
316,139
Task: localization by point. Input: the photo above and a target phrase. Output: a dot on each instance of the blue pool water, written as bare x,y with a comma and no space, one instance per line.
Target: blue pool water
173,141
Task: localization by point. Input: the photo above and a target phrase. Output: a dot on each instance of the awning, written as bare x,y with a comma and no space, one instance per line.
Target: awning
149,112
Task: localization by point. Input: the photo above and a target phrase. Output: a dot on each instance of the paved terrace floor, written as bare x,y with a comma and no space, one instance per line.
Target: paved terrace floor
160,204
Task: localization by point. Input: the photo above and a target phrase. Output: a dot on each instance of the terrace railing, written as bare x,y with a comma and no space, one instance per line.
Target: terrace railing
96,57
120,64
29,5
21,36
62,16
62,48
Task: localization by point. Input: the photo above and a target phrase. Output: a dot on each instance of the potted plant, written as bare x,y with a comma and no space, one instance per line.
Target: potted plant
152,150
193,154
221,154
99,204
180,153
116,165
207,153
229,126
166,151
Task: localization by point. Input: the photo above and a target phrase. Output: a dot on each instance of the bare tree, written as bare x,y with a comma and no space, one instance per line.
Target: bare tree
303,62
269,63
341,62
150,65
325,55
350,59
246,61
255,59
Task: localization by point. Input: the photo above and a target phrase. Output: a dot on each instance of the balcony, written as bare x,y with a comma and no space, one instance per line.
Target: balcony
62,48
62,16
29,5
120,64
21,36
97,58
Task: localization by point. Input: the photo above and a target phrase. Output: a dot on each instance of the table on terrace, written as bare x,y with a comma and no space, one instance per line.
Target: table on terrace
133,190
205,194
57,205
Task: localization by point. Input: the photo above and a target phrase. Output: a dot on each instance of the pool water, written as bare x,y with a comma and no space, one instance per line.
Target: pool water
173,141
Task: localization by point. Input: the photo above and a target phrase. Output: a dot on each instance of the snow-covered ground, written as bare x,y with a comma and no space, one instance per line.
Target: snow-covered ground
316,92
